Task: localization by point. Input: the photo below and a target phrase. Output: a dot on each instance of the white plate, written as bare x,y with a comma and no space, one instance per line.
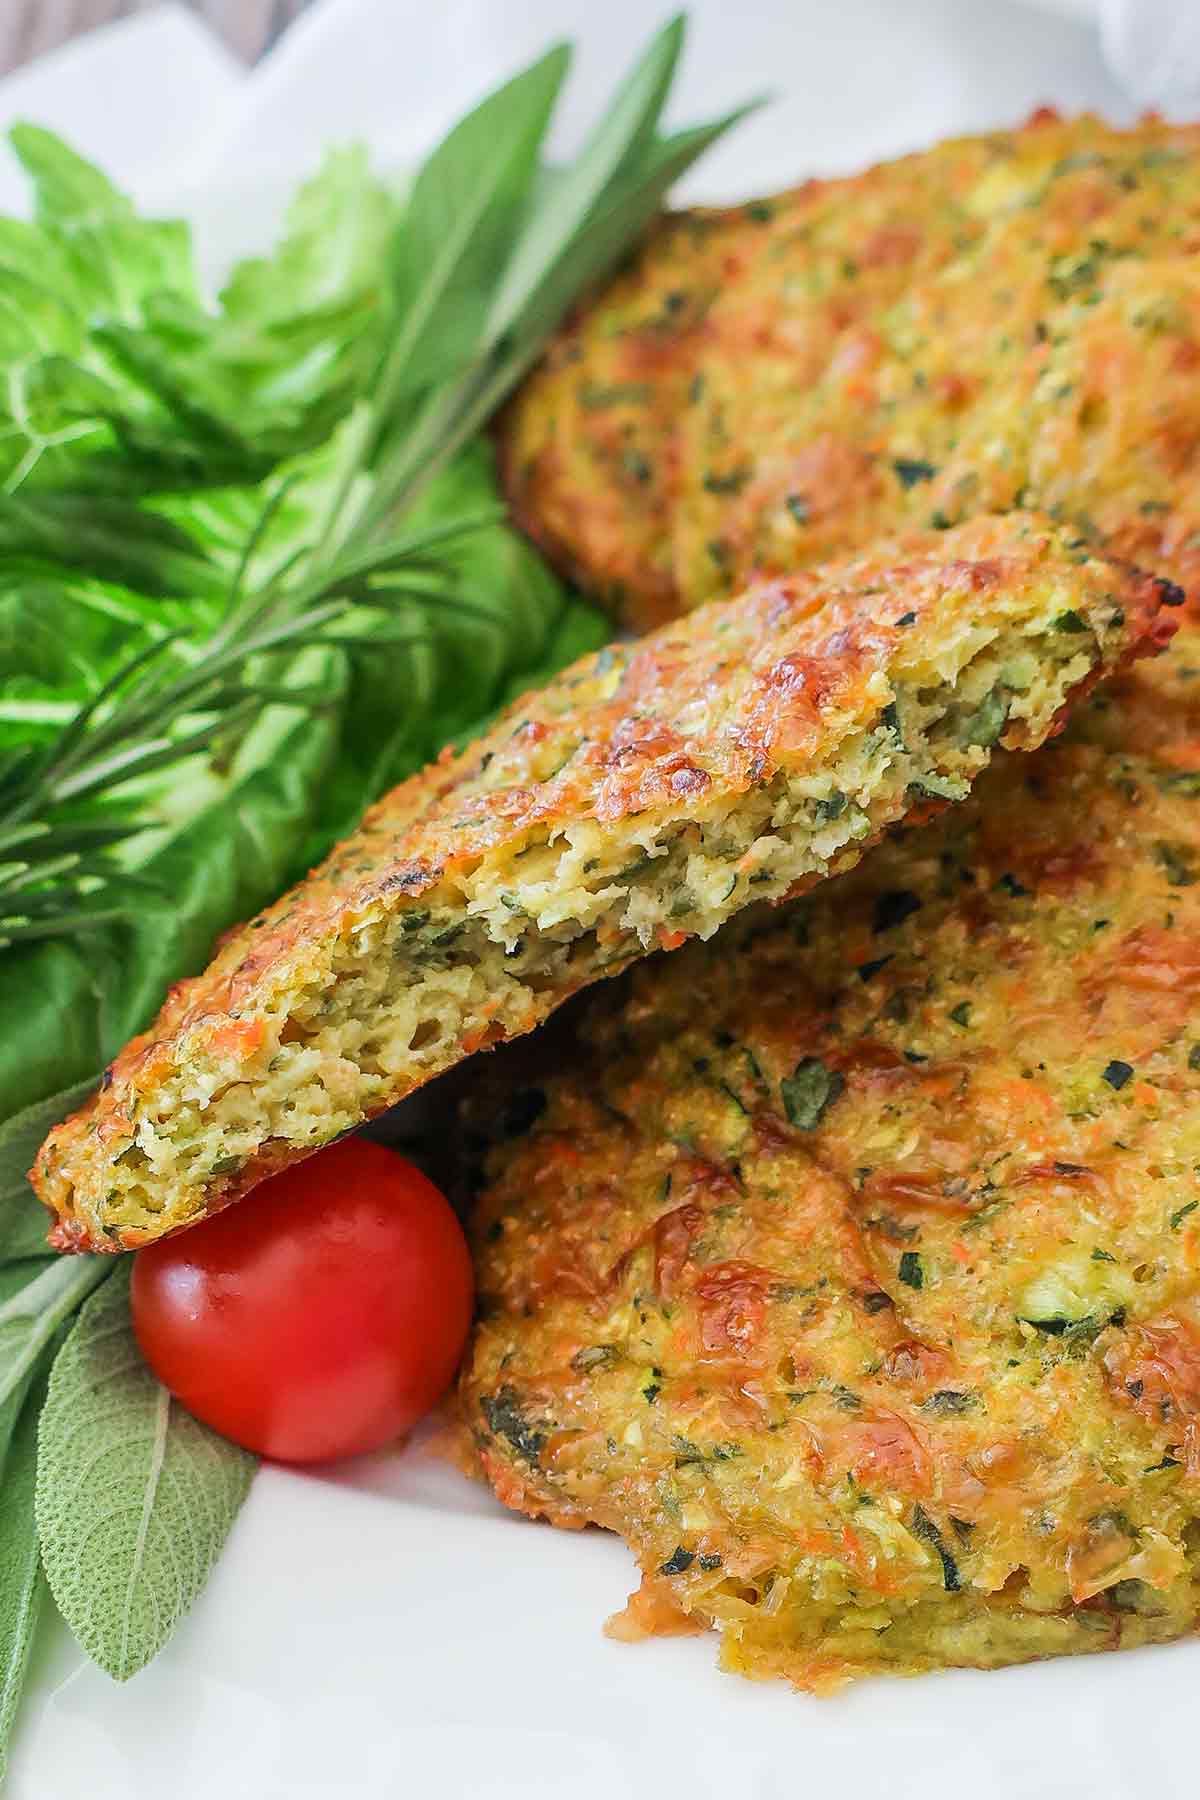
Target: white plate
390,1631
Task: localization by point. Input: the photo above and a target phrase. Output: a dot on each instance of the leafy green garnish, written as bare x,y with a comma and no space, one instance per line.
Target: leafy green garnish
23,1224
475,212
21,1580
30,1317
479,267
122,382
134,1497
252,572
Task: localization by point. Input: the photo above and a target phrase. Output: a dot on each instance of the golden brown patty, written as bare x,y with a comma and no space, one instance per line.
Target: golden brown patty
1005,320
648,794
852,1269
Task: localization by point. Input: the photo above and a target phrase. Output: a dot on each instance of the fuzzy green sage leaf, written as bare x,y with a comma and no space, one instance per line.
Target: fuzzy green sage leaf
135,1498
21,1584
30,1318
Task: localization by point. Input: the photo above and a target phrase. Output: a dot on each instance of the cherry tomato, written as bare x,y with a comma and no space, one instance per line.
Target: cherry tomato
317,1318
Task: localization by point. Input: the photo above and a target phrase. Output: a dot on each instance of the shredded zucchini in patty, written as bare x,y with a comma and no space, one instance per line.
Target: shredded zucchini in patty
851,1268
646,796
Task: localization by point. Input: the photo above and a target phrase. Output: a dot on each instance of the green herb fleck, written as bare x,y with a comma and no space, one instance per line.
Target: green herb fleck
1011,886
946,1402
732,483
809,1091
832,807
939,787
1179,862
892,908
983,726
911,470
867,969
505,1418
924,1528
594,398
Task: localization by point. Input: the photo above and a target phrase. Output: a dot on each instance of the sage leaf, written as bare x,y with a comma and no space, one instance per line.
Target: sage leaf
625,129
21,1583
458,229
23,1220
574,226
135,1498
620,213
30,1317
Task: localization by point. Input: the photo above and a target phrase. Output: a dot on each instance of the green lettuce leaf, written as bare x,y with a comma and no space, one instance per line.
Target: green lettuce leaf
119,378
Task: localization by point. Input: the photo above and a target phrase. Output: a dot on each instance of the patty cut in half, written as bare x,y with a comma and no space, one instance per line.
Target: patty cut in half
852,1270
999,321
648,794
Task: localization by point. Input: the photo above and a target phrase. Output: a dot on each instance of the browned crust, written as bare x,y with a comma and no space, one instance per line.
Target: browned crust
757,681
633,500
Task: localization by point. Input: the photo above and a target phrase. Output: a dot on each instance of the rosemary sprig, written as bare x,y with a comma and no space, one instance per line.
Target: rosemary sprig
488,254
172,700
220,509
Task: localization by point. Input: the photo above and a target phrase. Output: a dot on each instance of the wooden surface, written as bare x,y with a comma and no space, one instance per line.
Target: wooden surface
29,28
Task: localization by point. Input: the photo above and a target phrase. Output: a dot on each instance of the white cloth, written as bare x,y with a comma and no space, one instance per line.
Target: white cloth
384,1632
1153,47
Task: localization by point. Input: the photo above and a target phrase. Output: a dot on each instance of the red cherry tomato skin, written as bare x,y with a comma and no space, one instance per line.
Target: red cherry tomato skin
318,1318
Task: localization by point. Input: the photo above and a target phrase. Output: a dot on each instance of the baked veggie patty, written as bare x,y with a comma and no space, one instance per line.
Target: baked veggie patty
647,795
852,1269
1004,320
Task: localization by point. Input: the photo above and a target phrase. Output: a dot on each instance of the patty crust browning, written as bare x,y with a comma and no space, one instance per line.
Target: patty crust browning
852,1270
645,796
1008,320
